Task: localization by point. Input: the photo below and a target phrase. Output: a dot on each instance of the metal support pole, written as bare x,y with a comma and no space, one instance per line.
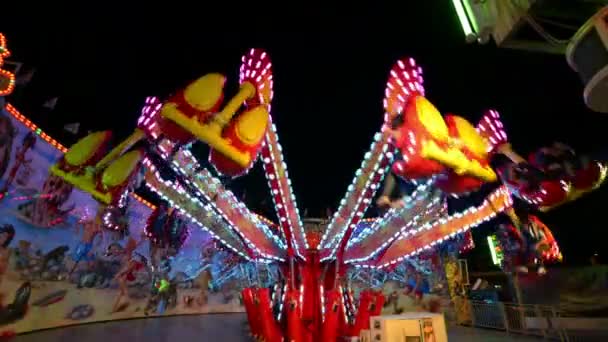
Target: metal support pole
505,319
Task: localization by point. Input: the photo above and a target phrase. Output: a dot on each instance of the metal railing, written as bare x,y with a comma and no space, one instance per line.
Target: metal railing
535,320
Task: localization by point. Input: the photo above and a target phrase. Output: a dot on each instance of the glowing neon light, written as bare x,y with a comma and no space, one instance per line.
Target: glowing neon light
463,18
357,197
492,247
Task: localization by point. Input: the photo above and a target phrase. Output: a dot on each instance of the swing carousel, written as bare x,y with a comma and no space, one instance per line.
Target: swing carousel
418,157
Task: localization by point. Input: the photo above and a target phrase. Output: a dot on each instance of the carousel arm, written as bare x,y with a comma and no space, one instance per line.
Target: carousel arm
420,205
435,232
357,198
193,208
275,171
255,232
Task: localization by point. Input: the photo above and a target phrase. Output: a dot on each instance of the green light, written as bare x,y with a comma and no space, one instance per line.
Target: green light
38,131
163,285
493,250
464,20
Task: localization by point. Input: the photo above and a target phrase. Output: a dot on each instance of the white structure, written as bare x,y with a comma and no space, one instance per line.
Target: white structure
587,54
585,46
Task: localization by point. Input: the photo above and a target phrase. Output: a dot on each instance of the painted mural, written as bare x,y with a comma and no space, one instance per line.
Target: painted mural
63,261
416,285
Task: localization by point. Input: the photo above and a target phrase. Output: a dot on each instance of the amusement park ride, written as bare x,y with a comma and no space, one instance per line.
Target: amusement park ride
532,25
441,155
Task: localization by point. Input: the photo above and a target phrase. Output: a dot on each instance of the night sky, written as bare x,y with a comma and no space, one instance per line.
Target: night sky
330,67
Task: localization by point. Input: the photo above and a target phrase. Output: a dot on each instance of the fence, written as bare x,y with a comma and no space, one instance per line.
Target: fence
536,320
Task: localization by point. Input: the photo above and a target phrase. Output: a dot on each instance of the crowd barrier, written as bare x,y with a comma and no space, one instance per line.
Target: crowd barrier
536,320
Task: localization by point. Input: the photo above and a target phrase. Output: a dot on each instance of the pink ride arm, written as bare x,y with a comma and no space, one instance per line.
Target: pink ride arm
201,215
431,234
422,206
357,198
256,234
275,170
492,129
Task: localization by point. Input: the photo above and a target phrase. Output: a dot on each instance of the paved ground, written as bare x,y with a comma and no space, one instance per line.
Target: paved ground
463,334
216,327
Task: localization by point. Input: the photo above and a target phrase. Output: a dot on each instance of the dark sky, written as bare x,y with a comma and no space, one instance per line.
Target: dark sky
330,67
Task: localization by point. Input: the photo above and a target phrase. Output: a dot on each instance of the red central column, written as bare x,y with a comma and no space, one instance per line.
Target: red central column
311,304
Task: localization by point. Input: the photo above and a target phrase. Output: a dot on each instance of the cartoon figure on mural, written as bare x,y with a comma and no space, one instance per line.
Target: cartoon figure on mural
7,233
205,277
155,231
417,286
131,264
47,209
7,135
21,163
84,253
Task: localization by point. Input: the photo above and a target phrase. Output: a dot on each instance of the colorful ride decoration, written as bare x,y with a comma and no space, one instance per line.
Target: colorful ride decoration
7,79
192,113
235,138
105,179
551,176
459,154
247,131
312,301
523,242
429,143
